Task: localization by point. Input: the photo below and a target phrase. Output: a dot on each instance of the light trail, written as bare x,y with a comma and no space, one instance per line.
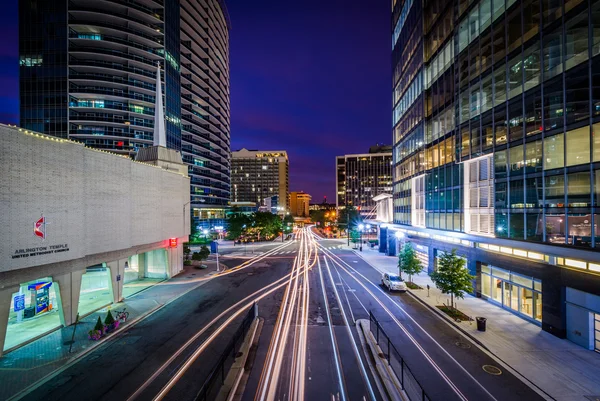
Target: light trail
182,370
297,305
338,362
340,262
211,323
363,371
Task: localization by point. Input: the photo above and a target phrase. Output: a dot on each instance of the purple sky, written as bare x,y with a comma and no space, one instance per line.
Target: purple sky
311,77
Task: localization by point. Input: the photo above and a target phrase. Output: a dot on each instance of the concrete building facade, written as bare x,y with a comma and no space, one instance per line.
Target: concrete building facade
80,227
496,153
300,204
257,175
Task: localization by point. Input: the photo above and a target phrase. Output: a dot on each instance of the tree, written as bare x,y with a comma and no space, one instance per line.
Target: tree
236,221
267,224
452,277
349,218
408,262
186,251
202,254
318,217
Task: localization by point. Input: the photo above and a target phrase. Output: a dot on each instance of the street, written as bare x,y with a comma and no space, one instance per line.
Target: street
310,293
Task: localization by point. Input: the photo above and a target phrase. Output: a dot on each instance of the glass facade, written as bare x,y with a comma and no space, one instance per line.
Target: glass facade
87,72
517,293
495,75
362,177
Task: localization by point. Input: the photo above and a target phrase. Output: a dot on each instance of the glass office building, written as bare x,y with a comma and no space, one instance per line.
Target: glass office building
361,177
496,147
87,73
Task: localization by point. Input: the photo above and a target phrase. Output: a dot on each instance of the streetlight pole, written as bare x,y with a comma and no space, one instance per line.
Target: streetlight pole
348,225
360,230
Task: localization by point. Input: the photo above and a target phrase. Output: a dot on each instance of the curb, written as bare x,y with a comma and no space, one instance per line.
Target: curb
236,372
442,316
490,353
80,355
38,383
382,366
446,318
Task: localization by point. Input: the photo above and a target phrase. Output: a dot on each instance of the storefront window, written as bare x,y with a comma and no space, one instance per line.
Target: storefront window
516,292
486,285
526,302
537,299
497,290
96,289
33,312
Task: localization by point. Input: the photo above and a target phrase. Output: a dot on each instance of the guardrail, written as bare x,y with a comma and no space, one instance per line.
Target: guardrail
408,381
216,378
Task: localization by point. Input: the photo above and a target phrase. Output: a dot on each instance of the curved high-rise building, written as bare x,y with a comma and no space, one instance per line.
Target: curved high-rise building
205,141
88,70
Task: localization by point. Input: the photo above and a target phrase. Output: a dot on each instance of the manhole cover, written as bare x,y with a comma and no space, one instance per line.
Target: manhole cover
59,381
492,370
462,345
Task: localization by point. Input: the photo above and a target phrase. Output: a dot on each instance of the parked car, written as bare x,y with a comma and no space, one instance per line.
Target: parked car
393,282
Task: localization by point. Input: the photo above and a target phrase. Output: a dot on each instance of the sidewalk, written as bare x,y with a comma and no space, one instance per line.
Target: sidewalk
560,368
44,357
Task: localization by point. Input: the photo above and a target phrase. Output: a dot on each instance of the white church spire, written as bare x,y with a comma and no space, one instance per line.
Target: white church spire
160,137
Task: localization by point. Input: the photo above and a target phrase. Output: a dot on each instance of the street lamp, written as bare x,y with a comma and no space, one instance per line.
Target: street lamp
361,227
282,209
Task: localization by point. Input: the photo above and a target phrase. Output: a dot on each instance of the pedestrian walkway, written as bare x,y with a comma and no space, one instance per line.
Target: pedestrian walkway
25,366
558,367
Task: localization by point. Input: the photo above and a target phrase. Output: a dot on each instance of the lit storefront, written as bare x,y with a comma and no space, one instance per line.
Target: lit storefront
517,293
33,312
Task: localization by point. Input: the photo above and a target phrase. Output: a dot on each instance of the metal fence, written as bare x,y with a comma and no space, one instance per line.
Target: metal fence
216,377
407,379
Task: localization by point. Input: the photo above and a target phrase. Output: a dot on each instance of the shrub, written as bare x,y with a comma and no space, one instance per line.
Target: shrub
109,319
187,262
99,326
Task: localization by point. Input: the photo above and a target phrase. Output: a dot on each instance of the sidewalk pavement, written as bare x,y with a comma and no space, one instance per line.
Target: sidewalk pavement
47,356
557,366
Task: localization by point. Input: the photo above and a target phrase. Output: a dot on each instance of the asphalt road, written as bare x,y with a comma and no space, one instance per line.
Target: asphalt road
309,346
447,364
120,367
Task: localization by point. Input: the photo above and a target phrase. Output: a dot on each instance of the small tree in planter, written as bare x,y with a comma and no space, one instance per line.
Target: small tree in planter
186,252
452,277
98,330
408,262
110,322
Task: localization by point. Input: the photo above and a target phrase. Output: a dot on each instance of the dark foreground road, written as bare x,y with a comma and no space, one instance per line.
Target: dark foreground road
309,347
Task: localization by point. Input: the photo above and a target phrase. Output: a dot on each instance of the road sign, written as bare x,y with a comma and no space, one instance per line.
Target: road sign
19,301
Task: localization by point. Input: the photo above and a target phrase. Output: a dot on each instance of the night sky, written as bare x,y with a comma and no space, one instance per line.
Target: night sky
310,77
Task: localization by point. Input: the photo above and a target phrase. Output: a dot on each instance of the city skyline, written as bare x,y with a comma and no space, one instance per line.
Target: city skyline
265,68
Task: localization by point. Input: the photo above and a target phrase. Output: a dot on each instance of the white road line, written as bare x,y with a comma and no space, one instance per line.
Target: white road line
436,367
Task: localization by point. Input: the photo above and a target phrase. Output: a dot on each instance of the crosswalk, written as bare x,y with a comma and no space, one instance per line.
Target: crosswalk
290,252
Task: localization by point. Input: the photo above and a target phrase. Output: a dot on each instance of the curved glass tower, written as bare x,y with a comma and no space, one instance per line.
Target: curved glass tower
87,72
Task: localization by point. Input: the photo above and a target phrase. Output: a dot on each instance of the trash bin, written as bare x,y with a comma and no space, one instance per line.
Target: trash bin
481,323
